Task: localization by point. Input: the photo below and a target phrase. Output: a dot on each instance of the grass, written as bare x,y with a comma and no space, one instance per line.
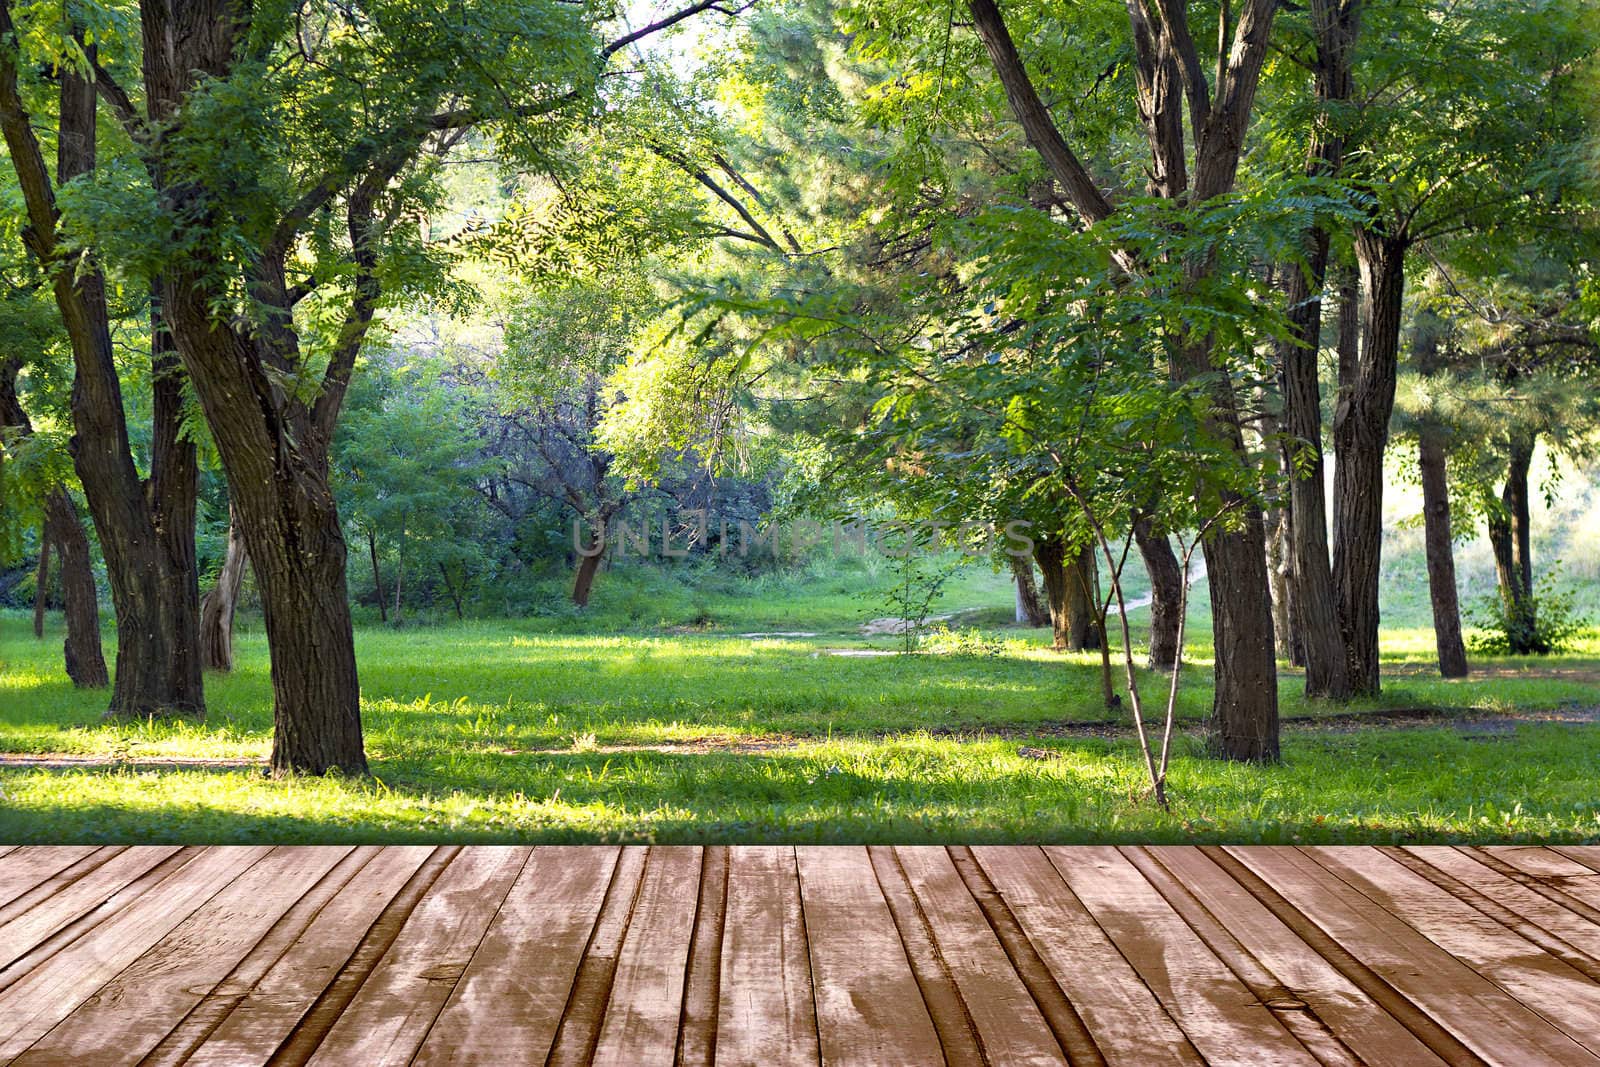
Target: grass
529,731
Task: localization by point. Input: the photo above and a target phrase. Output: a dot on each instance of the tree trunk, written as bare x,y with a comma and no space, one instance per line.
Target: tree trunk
216,610
1166,591
1510,539
449,587
377,576
41,582
1315,610
1317,636
588,567
172,490
1029,608
158,671
1066,589
1083,613
273,442
1280,582
1440,543
1245,704
1360,434
1050,554
399,567
85,660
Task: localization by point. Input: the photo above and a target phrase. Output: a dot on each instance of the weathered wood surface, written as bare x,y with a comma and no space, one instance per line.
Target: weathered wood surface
811,955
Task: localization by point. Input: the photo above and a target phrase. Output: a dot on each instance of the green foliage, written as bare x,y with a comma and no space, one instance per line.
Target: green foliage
1543,624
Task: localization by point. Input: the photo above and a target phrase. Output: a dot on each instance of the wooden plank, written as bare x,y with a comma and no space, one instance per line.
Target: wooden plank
646,1002
957,1035
1523,904
29,865
697,1032
1126,1021
52,907
1009,1025
1565,997
765,1007
1363,1024
1209,1002
389,1018
132,1013
50,992
275,1004
1489,1022
181,1041
523,971
579,1031
1549,868
869,1009
50,887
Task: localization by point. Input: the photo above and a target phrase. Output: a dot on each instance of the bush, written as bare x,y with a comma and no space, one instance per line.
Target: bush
1546,623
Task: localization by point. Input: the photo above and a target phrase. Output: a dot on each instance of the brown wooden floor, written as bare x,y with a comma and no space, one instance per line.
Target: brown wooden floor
758,955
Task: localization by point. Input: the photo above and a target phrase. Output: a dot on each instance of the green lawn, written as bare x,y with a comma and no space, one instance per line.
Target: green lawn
529,730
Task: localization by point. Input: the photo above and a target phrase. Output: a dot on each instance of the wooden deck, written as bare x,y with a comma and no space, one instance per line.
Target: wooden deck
758,955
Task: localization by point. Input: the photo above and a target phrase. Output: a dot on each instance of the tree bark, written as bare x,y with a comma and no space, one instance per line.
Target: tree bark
1440,545
216,610
377,576
588,567
1166,591
41,583
85,659
1360,434
1066,589
1029,607
1083,613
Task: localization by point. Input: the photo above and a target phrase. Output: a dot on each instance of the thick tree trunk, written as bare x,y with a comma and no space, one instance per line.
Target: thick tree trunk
216,610
172,490
588,567
1083,611
1166,591
1360,434
41,583
1051,556
1030,609
377,576
278,478
1244,707
1245,704
1066,590
1440,542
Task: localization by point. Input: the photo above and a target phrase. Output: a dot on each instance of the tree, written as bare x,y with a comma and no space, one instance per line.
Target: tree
1170,80
62,528
285,152
1448,146
145,528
